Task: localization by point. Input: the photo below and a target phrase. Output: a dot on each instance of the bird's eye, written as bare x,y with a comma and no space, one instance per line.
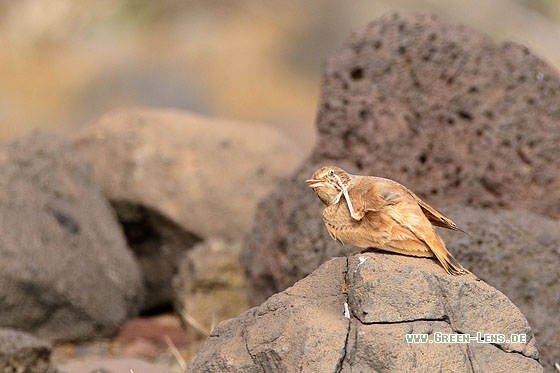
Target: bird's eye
331,173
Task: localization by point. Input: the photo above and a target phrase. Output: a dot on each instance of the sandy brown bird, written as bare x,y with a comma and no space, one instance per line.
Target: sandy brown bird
368,211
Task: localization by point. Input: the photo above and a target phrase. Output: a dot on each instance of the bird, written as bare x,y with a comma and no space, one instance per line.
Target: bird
375,212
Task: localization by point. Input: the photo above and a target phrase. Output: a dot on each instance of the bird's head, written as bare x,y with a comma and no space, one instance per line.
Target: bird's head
328,182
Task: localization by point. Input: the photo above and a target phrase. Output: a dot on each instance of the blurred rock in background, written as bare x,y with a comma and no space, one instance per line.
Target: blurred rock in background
66,272
203,173
210,286
65,63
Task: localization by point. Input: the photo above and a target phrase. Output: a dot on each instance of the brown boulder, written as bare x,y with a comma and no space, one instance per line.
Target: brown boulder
353,314
443,109
66,272
204,174
431,104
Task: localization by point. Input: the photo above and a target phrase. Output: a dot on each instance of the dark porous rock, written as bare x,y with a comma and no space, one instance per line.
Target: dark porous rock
433,105
519,253
445,110
175,179
353,314
21,352
66,272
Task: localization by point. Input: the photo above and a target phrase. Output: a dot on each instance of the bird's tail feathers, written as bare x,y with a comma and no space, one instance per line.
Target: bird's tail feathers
450,264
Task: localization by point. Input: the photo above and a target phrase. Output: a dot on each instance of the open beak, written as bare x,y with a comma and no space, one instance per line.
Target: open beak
314,183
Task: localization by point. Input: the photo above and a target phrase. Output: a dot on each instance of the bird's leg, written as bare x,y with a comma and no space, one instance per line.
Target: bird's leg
345,192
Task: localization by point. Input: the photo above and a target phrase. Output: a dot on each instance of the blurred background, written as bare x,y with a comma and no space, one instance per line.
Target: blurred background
66,62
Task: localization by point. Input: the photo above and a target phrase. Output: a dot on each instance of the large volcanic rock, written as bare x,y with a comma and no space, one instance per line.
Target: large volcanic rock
432,104
354,315
66,272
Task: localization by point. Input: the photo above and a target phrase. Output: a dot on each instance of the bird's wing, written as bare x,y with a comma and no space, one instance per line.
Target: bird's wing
381,223
396,237
410,216
436,217
371,200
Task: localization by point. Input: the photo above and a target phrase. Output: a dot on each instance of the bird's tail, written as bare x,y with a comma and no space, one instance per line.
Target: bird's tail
452,266
448,262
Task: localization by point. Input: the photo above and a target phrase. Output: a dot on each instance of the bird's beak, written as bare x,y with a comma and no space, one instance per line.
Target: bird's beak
314,183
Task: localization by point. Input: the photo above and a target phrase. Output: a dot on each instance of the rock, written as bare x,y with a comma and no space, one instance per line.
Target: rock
273,337
517,252
204,174
66,272
444,109
210,286
431,104
353,314
175,178
22,352
110,365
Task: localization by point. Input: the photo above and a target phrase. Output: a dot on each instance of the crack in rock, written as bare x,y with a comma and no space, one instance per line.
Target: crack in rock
340,364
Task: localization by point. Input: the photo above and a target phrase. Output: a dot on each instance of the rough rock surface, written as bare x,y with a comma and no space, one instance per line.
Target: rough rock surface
175,179
21,352
66,272
517,252
353,314
429,103
210,285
